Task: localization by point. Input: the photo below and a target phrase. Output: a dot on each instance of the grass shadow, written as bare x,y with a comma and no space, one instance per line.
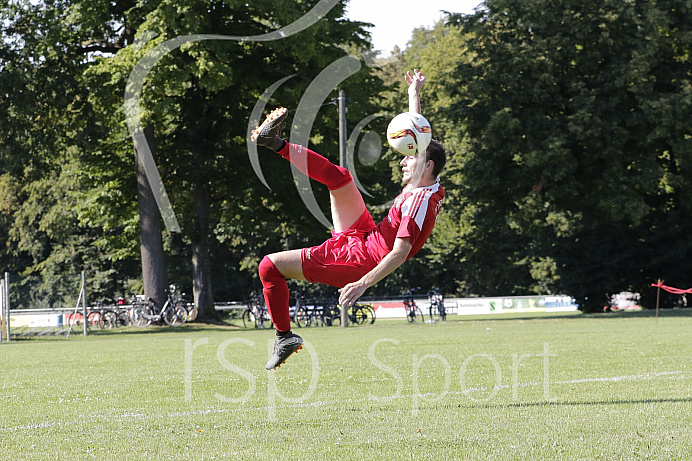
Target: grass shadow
597,402
446,407
164,329
647,313
576,315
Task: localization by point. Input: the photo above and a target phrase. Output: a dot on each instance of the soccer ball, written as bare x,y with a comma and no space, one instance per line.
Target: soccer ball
409,133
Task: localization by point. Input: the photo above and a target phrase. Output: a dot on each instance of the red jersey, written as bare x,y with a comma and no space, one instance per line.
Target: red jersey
413,215
349,255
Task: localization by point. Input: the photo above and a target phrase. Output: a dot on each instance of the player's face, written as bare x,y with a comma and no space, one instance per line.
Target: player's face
412,166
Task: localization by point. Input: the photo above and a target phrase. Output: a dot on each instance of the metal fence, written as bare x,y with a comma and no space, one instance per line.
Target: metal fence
44,295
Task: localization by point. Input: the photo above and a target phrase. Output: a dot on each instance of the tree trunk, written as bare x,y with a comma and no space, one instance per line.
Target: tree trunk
151,242
201,265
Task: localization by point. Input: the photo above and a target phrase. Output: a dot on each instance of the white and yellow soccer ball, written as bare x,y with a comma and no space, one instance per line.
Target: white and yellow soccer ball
409,133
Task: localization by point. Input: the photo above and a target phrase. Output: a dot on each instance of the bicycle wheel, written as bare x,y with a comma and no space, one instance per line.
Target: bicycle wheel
175,316
302,317
359,315
317,318
139,318
327,317
191,312
124,318
370,314
411,315
108,320
93,319
74,319
418,315
248,318
364,314
356,315
432,315
335,315
264,320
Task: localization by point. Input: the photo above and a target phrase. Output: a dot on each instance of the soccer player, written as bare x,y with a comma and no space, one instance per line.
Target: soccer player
360,253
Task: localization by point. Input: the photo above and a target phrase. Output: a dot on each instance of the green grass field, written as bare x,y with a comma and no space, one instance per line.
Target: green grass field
562,387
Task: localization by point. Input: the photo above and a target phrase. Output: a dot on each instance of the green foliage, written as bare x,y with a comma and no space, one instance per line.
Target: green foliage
569,157
74,169
47,130
441,263
576,149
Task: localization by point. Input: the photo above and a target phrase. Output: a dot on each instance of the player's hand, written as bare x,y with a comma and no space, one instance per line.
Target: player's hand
349,294
415,80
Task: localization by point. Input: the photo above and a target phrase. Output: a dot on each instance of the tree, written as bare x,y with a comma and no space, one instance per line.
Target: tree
198,99
47,126
436,52
154,276
576,152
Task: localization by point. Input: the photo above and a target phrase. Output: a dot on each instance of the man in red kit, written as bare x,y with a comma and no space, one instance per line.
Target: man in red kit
360,253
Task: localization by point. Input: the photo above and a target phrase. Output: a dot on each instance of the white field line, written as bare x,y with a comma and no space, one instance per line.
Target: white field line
243,408
644,377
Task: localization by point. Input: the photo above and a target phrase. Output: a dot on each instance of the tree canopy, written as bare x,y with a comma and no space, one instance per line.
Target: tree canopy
565,123
577,168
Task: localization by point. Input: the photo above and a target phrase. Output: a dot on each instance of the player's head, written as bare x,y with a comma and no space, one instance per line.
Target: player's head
424,168
436,153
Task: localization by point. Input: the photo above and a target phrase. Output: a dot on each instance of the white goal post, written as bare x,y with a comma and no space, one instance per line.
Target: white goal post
5,308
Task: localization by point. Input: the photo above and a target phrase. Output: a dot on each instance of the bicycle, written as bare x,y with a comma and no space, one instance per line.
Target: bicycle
358,314
437,304
306,314
95,315
173,312
77,318
299,312
413,312
330,312
256,314
113,317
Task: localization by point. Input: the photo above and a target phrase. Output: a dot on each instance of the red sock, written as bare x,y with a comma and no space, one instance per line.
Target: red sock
315,166
275,292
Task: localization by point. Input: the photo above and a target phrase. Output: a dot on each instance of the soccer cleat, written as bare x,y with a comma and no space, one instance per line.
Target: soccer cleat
267,134
283,348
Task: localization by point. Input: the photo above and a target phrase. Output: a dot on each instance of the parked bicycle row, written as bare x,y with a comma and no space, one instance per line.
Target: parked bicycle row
136,311
307,312
436,307
326,312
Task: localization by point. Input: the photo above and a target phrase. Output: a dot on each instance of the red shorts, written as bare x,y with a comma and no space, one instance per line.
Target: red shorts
343,258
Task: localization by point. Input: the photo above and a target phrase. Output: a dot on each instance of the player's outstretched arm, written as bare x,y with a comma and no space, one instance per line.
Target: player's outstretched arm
350,293
415,81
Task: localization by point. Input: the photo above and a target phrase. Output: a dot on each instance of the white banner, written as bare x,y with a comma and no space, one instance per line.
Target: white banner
482,306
